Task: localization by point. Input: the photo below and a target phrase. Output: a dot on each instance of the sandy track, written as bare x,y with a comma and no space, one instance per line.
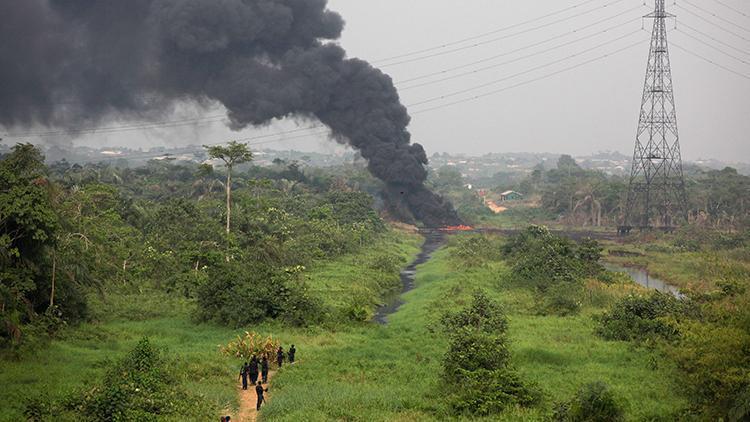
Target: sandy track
248,399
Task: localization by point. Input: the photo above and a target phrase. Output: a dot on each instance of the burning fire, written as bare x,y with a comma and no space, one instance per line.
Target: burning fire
461,228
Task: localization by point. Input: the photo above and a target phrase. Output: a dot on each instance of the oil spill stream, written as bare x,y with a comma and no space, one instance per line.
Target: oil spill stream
433,241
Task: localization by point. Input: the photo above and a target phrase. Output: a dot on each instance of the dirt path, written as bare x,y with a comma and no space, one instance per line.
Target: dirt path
248,400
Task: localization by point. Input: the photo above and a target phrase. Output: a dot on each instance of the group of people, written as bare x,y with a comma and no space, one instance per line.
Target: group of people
258,367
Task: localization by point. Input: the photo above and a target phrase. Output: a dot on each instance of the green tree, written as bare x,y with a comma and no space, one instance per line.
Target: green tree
232,154
27,226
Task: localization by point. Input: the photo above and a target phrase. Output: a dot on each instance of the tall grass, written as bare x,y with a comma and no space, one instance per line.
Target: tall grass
79,356
390,373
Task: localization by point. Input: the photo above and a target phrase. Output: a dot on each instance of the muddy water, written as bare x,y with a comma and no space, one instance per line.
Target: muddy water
433,241
643,278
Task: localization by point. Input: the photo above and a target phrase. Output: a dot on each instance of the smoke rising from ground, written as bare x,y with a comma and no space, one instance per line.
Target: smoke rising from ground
73,62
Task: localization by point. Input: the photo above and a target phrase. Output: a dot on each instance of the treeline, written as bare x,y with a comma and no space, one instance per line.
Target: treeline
67,231
716,198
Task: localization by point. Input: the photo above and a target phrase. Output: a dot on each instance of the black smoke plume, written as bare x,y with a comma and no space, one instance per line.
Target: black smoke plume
73,62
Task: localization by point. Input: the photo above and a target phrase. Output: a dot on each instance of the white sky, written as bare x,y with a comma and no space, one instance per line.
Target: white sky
589,109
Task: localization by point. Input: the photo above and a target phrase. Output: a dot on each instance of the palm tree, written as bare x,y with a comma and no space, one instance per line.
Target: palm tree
233,153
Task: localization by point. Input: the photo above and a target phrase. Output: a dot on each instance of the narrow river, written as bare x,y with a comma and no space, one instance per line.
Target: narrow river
432,242
643,278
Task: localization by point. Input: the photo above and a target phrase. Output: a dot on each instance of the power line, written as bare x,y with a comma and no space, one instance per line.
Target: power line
714,47
492,40
517,59
450,44
567,69
282,139
717,16
711,61
714,24
123,128
732,8
714,39
442,72
494,82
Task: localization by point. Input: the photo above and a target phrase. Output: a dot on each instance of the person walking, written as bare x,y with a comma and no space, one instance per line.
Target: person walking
253,369
243,375
259,391
280,356
291,353
264,369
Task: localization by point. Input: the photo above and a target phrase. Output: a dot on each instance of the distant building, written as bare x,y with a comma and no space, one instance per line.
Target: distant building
511,195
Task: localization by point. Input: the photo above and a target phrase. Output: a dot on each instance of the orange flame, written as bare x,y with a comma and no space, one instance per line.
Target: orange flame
461,228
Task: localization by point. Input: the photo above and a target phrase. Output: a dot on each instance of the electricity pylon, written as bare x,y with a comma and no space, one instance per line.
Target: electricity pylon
657,198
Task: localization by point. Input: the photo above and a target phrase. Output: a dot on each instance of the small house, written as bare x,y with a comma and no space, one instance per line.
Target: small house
511,195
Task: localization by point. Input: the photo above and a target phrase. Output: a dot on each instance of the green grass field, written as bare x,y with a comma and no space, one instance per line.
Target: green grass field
78,358
393,372
354,371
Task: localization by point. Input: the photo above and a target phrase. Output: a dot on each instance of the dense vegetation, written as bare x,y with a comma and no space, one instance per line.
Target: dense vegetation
97,257
717,198
69,230
706,333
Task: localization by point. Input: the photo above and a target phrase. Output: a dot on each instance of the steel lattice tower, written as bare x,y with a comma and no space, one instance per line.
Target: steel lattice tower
657,197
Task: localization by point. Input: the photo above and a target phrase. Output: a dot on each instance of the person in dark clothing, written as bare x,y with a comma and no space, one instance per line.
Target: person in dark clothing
264,369
253,369
292,351
259,391
243,375
280,356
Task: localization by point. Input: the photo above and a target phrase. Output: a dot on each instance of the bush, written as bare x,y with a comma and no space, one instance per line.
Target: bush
483,315
485,392
472,351
478,361
594,402
562,299
251,344
237,295
474,250
542,260
715,362
643,317
142,386
387,263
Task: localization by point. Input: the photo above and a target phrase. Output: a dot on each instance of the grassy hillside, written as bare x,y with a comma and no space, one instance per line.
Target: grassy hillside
79,356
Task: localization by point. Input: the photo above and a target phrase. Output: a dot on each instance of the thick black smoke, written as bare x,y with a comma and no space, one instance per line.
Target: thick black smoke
70,62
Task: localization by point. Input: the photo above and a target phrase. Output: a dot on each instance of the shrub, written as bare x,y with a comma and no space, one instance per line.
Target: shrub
478,361
594,402
251,344
542,260
483,315
485,392
642,317
715,362
142,386
562,299
474,250
237,295
387,263
472,351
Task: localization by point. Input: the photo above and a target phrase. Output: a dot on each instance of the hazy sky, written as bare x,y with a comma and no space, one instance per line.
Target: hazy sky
591,108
